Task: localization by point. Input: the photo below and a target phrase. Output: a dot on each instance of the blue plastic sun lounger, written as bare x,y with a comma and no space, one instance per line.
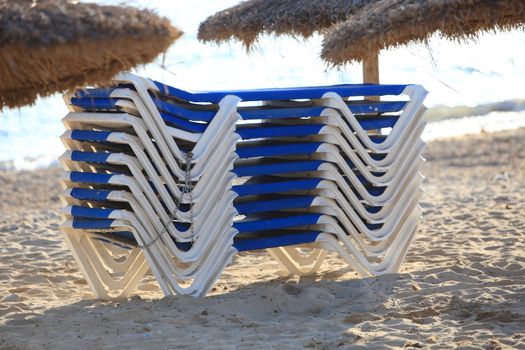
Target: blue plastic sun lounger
179,182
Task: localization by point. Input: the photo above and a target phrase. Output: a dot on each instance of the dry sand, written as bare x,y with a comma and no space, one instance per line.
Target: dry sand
462,285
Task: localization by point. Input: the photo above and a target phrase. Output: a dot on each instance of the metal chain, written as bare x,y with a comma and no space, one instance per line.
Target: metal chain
186,190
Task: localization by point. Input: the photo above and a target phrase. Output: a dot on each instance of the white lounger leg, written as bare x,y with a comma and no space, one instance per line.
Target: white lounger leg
97,271
297,264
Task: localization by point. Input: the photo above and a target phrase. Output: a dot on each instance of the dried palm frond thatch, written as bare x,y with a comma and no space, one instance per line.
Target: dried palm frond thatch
47,46
390,23
250,19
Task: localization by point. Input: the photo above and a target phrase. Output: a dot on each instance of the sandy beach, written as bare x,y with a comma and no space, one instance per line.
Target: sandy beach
461,286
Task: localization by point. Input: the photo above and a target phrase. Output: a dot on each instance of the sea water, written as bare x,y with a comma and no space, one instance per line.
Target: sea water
489,69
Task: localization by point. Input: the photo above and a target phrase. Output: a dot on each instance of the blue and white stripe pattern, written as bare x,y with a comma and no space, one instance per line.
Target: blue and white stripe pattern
179,182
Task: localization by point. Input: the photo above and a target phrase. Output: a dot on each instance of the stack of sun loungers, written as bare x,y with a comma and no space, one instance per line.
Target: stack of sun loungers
177,183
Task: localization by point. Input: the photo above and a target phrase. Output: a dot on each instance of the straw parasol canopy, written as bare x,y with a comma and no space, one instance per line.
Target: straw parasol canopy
390,23
250,19
47,46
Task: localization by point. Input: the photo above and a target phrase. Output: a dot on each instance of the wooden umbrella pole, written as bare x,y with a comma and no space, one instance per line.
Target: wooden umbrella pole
371,75
371,69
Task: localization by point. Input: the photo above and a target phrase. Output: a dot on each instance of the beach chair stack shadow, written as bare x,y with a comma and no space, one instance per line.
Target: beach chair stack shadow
174,182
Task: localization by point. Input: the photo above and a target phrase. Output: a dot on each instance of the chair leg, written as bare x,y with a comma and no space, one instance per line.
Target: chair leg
295,263
109,254
208,273
328,242
132,265
98,272
390,263
302,258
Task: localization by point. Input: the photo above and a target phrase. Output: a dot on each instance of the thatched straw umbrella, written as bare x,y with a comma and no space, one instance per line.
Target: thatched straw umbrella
389,23
47,46
250,19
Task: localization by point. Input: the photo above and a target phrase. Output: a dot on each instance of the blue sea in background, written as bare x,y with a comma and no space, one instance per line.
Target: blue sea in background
488,70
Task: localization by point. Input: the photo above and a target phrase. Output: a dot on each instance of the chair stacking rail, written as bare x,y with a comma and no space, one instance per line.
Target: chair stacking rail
174,182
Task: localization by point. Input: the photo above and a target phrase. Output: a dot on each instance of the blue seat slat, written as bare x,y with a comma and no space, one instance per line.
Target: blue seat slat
95,178
293,93
247,133
277,223
181,112
365,107
378,123
98,93
92,213
373,209
377,138
272,205
90,194
277,150
90,135
275,187
183,124
373,226
259,241
279,113
94,103
88,224
91,157
182,226
277,168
